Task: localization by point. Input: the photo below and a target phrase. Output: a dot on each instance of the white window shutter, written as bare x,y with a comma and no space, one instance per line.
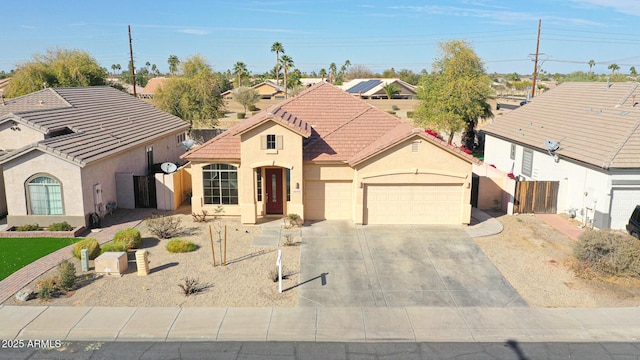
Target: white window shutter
279,144
263,142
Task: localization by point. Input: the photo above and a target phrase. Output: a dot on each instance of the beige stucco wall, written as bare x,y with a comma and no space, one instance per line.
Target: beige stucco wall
133,161
3,198
316,171
399,165
18,171
252,156
16,139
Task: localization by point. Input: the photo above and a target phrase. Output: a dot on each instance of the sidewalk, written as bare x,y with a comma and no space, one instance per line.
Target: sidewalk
120,219
561,224
357,324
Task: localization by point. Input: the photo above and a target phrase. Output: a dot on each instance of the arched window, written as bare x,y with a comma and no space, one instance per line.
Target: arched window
220,182
44,195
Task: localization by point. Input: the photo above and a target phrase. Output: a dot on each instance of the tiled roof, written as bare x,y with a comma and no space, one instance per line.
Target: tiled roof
153,85
370,87
341,127
40,100
104,121
596,123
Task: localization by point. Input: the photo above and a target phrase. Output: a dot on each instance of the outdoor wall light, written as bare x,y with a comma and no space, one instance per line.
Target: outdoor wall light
297,186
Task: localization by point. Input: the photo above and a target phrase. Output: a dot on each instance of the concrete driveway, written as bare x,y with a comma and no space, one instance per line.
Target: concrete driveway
397,265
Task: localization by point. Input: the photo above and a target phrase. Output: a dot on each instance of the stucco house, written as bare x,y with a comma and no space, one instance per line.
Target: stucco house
324,154
70,152
374,88
593,149
267,90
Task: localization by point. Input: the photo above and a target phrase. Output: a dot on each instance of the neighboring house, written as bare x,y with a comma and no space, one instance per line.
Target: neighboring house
72,151
325,154
597,163
152,87
267,91
374,88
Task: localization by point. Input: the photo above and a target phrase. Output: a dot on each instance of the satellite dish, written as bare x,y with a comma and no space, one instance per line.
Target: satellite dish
187,144
552,145
168,167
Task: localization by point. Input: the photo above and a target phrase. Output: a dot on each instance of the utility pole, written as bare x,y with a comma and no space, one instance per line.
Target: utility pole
535,62
133,68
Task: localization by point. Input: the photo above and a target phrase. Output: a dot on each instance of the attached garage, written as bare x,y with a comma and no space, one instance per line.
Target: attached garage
413,204
623,201
328,200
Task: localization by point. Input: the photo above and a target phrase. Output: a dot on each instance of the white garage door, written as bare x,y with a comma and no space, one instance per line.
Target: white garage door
328,200
413,204
623,202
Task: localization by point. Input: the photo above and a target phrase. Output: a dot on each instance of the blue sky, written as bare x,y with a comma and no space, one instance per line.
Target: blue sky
378,34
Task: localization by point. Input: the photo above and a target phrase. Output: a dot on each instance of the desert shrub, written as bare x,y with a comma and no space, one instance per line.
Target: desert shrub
391,112
113,247
289,240
273,273
63,226
252,108
67,276
192,286
410,114
164,227
395,107
28,227
609,251
89,243
240,115
130,237
180,246
45,288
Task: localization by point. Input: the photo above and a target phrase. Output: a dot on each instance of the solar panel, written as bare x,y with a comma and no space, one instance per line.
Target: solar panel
364,86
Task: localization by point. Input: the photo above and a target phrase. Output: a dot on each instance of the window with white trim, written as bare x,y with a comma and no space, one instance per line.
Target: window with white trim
527,162
45,196
220,184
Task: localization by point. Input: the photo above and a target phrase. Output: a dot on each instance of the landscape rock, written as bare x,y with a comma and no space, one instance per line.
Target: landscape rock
25,294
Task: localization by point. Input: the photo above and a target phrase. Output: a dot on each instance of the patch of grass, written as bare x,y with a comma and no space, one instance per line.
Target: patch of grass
180,246
16,253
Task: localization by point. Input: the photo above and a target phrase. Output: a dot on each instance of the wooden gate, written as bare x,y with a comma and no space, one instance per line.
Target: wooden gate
540,197
145,191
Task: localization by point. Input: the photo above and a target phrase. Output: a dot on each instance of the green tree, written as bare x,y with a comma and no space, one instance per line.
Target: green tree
246,96
359,71
114,67
633,71
389,73
277,48
391,89
592,63
454,95
56,68
239,69
173,62
322,73
409,76
613,67
287,63
195,96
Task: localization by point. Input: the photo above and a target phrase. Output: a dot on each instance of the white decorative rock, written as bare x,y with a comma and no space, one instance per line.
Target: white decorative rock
25,294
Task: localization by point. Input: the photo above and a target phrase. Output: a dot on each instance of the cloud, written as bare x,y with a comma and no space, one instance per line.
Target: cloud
629,7
194,31
493,15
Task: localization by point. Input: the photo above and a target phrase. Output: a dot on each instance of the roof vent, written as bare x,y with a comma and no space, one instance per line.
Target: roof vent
40,102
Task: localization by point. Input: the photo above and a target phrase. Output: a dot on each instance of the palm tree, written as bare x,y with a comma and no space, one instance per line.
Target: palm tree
633,71
287,63
239,69
277,48
391,89
114,67
613,67
173,62
323,73
332,70
155,70
592,63
119,67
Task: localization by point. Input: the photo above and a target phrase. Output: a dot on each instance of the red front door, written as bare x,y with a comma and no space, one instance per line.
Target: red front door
273,178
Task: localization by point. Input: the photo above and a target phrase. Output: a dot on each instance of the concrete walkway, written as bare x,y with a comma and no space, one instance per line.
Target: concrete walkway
561,224
356,324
